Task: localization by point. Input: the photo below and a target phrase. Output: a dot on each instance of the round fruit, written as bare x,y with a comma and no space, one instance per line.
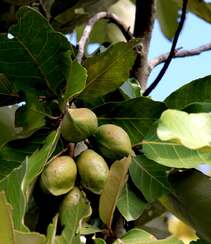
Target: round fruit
59,176
112,142
93,170
70,202
78,124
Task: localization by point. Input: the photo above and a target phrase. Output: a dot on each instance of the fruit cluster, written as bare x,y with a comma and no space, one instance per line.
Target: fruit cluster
108,142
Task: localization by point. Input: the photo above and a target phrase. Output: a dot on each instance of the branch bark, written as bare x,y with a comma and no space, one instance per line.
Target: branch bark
172,51
179,54
144,19
90,24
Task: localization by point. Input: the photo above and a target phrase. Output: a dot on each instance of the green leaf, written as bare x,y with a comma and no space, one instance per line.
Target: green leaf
88,229
113,187
51,231
99,241
135,116
76,81
191,130
6,224
30,237
35,53
138,236
71,218
199,241
149,177
23,178
167,14
67,15
195,91
8,94
14,153
130,205
31,116
198,108
192,200
131,89
108,70
199,8
7,125
172,154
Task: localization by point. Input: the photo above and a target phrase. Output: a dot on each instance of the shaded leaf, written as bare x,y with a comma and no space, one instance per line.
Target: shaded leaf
51,231
112,189
8,93
69,14
138,236
167,14
198,108
108,70
35,53
195,91
99,241
6,224
130,205
23,177
88,229
135,116
76,81
172,154
191,130
7,125
149,177
31,116
14,153
192,200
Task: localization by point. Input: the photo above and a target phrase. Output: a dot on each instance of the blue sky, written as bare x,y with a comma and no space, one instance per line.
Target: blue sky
195,33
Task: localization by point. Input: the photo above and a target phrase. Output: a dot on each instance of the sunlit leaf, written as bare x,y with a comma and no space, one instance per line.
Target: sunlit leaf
6,224
167,14
172,154
195,91
113,187
108,70
191,130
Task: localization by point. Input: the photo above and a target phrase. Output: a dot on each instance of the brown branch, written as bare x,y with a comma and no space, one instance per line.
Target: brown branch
144,19
90,24
171,53
179,54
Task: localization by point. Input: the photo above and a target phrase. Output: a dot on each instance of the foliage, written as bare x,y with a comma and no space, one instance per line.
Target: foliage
41,79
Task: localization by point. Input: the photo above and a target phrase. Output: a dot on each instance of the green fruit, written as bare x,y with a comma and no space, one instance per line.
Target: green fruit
93,170
112,142
78,124
59,176
74,203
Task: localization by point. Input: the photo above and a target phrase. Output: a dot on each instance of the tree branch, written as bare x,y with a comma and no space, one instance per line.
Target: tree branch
172,51
179,54
90,24
144,19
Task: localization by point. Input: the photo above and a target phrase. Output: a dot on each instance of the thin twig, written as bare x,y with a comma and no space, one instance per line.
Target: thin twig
172,51
179,54
90,24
